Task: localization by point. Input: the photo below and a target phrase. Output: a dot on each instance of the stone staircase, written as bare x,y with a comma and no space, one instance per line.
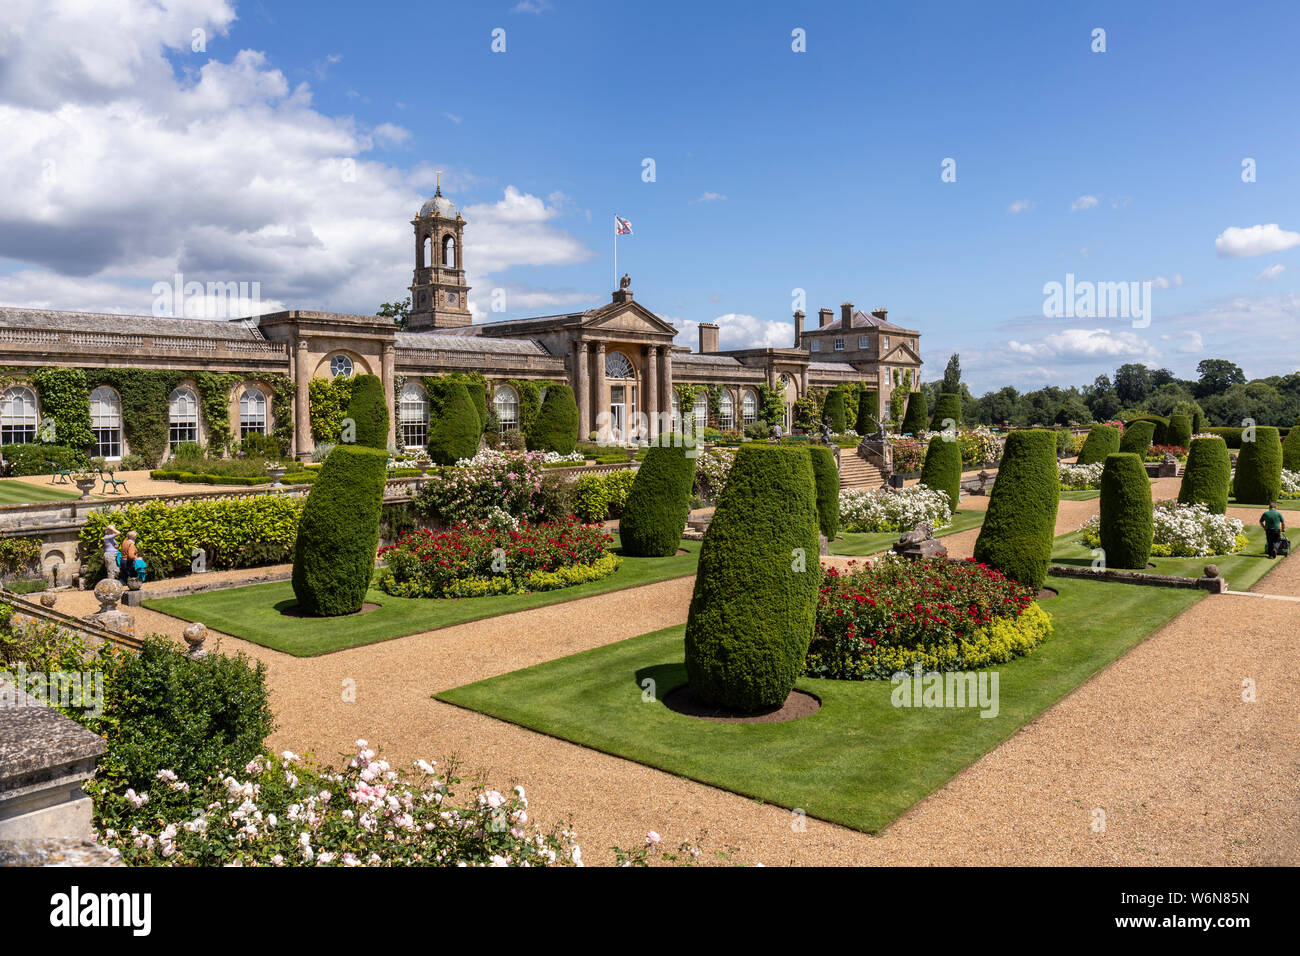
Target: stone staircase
856,471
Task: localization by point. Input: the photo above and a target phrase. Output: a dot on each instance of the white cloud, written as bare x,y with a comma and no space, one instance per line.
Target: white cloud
1160,282
709,197
531,6
740,331
1084,202
1076,345
1019,206
1271,273
1192,341
453,117
118,168
1255,240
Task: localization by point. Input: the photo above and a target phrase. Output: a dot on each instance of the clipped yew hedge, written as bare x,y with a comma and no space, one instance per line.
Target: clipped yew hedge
659,502
368,409
555,428
947,405
752,612
455,431
1126,512
1208,474
334,556
833,410
1137,438
1102,440
917,416
942,469
1291,449
1259,468
827,477
1020,523
868,411
1179,431
1159,428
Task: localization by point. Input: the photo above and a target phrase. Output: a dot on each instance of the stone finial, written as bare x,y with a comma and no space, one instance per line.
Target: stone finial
48,599
195,634
1211,570
109,592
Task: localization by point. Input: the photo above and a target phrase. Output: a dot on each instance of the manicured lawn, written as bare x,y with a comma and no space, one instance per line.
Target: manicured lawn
861,543
1085,495
1286,504
859,761
21,493
253,612
1242,569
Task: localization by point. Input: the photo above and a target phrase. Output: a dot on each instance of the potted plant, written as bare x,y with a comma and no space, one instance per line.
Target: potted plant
85,482
276,471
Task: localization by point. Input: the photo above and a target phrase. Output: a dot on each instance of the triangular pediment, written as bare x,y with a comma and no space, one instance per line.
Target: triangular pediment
627,317
902,353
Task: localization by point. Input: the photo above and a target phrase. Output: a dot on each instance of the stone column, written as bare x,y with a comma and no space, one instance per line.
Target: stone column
302,404
650,391
582,388
666,379
598,400
389,361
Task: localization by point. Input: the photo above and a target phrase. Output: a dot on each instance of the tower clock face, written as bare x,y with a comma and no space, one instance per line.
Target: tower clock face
451,298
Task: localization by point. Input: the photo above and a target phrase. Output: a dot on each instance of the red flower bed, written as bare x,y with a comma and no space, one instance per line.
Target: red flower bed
426,563
926,606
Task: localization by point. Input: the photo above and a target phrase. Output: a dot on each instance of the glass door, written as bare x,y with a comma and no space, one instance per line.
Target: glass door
617,412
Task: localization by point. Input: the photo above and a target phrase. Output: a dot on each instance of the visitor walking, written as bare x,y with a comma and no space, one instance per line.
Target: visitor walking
1274,524
130,554
776,433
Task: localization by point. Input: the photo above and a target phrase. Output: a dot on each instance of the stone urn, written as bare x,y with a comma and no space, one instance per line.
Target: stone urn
85,484
109,592
134,584
276,472
195,634
49,599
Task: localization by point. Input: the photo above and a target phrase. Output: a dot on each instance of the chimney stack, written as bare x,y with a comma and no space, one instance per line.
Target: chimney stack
846,316
823,318
798,326
880,314
708,337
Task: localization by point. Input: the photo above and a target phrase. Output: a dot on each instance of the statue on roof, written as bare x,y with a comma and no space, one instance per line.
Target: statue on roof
624,283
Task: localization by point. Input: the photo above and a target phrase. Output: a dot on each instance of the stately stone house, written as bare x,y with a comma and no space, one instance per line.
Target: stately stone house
619,357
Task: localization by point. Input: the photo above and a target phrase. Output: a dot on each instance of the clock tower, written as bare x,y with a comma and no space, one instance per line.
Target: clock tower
439,295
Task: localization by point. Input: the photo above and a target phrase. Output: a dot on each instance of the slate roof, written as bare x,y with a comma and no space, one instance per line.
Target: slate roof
469,343
861,320
695,358
830,367
244,330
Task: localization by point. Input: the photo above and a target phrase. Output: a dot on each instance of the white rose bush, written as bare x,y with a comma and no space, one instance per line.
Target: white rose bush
1182,531
882,510
1080,477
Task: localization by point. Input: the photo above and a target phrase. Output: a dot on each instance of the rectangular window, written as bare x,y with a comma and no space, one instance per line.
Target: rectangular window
108,442
414,434
815,345
839,345
864,341
183,431
884,343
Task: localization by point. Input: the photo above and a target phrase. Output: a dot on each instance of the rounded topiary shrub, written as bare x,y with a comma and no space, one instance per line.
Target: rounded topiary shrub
368,410
752,613
868,411
917,416
659,502
455,431
827,476
334,555
555,427
1126,512
1208,475
833,410
1137,438
1198,422
942,469
1102,440
947,405
1016,537
1259,468
1179,431
1291,449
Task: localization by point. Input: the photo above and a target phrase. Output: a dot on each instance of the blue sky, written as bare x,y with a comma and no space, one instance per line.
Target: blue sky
775,170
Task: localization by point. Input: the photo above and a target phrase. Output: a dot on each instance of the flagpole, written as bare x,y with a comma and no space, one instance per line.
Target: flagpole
615,286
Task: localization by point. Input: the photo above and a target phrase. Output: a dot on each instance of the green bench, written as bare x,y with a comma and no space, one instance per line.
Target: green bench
111,480
59,476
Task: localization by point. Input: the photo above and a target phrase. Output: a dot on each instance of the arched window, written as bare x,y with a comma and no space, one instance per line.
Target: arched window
728,414
183,409
749,406
700,412
106,422
618,365
252,413
340,364
413,416
426,252
506,402
18,416
449,251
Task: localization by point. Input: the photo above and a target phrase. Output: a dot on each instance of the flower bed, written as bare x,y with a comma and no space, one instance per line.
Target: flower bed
480,560
1290,484
1080,477
882,510
909,454
878,620
473,488
711,471
1158,452
1182,531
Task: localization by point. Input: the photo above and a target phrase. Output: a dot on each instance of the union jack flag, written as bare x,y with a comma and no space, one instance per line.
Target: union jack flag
622,227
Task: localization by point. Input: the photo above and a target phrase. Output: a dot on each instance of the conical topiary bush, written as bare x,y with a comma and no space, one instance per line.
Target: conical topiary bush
1137,438
917,416
455,431
659,502
827,476
1126,512
868,411
942,469
1179,431
1102,440
1020,523
1208,475
946,406
1291,449
368,409
555,427
334,554
1259,468
755,601
833,410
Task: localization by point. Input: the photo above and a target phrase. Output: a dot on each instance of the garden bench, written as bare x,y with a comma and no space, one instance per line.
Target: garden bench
110,479
59,476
